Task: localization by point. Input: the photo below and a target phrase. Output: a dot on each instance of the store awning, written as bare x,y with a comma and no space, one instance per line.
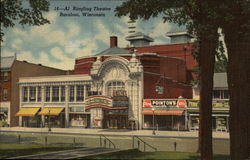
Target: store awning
163,112
27,111
51,111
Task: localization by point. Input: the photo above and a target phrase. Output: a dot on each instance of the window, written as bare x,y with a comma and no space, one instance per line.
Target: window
5,94
80,90
32,97
55,93
47,93
39,94
216,94
220,94
25,94
88,90
115,86
62,93
71,93
4,76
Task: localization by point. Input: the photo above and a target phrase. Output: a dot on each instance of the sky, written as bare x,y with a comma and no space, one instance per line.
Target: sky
73,33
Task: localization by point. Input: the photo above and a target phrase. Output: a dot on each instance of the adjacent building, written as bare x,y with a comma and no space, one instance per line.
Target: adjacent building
220,111
11,70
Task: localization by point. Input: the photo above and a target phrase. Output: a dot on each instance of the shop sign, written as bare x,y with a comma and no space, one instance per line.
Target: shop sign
98,100
121,101
182,103
216,103
165,103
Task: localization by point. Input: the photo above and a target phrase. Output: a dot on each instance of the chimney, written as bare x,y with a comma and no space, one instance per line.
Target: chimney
113,41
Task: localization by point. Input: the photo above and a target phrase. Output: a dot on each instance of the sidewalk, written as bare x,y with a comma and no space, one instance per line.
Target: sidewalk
116,132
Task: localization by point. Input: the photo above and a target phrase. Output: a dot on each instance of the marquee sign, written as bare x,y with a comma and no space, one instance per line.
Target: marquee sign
165,103
98,102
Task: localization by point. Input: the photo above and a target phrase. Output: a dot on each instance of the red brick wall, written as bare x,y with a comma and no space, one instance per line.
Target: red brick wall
5,85
182,51
84,65
171,89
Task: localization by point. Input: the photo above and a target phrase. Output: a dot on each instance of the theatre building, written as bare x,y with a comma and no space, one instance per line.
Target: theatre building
116,88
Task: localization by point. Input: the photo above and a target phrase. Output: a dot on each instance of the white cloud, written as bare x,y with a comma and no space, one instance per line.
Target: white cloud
88,49
51,16
160,29
27,56
16,44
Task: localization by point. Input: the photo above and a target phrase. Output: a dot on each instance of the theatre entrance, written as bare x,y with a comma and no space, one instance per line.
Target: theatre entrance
116,119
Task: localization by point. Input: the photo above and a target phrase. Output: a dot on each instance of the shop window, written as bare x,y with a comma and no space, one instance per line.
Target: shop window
62,93
80,90
225,94
216,94
71,93
47,93
39,97
5,94
220,94
55,93
32,97
25,94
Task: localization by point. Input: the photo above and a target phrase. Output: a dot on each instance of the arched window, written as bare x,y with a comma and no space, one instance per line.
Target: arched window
114,86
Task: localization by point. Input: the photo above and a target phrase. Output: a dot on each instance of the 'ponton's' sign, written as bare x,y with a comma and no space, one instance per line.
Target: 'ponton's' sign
167,103
98,102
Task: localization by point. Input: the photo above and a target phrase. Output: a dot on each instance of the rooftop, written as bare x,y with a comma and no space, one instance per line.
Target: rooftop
114,51
6,62
139,35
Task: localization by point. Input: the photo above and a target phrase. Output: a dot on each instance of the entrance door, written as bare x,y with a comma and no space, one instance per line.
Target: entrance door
116,121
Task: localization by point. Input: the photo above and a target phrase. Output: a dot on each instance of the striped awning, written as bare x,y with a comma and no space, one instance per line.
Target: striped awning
55,111
27,111
163,112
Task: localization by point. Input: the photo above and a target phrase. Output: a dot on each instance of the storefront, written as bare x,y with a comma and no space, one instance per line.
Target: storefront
220,115
29,116
42,117
165,114
78,118
53,117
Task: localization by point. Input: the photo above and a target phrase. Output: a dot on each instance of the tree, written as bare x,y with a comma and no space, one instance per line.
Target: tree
233,16
195,15
14,11
235,25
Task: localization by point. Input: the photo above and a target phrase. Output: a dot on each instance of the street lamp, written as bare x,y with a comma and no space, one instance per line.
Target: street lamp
49,122
153,121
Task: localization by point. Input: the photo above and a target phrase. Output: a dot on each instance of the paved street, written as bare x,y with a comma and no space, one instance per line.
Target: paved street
123,139
223,135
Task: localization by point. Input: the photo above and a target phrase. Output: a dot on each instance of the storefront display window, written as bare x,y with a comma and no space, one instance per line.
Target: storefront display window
221,123
31,121
55,121
78,120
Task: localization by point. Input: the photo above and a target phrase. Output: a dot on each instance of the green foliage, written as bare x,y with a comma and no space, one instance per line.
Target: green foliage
14,11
